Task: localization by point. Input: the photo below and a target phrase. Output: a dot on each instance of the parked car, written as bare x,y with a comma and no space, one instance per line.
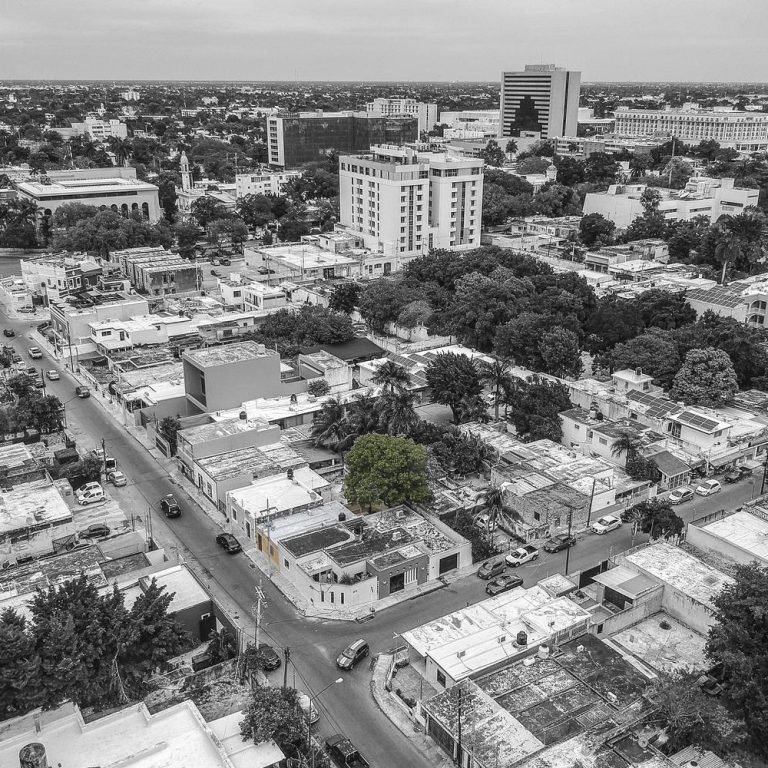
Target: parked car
92,496
95,531
229,542
481,522
503,584
117,478
708,487
491,568
92,486
169,506
269,656
9,332
225,262
352,655
52,375
522,555
680,495
605,524
215,273
82,392
343,752
736,474
39,381
307,707
35,353
558,542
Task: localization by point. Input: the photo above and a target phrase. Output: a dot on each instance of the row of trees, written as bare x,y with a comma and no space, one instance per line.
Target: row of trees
84,646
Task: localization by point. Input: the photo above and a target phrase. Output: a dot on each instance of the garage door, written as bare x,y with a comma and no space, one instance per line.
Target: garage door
449,563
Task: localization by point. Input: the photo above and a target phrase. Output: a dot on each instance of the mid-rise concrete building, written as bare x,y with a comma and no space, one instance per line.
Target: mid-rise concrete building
263,182
56,276
425,113
702,196
541,99
295,139
98,130
744,131
407,202
155,271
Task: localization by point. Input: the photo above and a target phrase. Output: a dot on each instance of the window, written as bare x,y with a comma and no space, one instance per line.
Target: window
602,441
441,678
536,516
286,563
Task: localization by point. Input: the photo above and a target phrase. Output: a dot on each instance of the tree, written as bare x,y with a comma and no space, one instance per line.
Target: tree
570,170
557,200
665,309
677,172
397,412
388,469
330,427
318,387
458,453
472,408
559,349
231,229
654,352
344,298
207,209
169,430
451,377
596,230
600,168
292,228
706,378
273,713
391,377
532,165
42,413
121,148
20,684
494,374
497,205
493,154
511,147
362,416
739,641
651,223
67,215
255,210
187,234
614,321
656,517
512,184
535,405
727,251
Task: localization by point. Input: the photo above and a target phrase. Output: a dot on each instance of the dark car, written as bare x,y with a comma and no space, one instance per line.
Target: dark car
491,568
169,506
503,584
225,262
215,273
82,392
352,655
343,752
229,542
736,474
269,657
9,332
558,542
95,531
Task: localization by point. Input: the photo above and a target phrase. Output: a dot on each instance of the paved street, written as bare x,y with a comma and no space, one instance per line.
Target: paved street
314,643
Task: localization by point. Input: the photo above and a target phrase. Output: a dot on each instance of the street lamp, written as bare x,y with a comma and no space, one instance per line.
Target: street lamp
312,698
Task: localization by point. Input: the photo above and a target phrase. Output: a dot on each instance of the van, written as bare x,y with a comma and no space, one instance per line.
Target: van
110,463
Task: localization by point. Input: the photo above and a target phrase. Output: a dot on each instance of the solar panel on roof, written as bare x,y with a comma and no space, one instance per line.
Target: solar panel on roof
695,420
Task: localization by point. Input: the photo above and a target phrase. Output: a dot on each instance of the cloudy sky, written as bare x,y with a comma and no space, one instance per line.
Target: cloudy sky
382,39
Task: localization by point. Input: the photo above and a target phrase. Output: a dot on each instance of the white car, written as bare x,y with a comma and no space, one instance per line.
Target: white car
522,555
708,487
481,522
92,496
92,486
605,524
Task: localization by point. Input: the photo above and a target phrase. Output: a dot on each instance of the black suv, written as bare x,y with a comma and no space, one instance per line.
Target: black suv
169,506
352,655
269,657
229,542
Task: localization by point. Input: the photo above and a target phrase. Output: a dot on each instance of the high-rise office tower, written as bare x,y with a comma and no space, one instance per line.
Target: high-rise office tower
541,99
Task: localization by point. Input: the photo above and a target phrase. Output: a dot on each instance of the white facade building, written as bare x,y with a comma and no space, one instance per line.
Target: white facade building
745,131
471,123
701,197
426,113
100,130
541,99
406,202
263,182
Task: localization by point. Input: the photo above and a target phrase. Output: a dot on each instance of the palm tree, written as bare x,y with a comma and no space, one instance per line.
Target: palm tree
391,376
495,374
511,147
331,428
89,149
728,250
397,413
363,415
627,444
494,507
472,408
121,148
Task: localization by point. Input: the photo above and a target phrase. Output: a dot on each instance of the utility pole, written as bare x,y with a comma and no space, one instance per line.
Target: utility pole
458,735
287,654
104,456
258,610
765,469
568,543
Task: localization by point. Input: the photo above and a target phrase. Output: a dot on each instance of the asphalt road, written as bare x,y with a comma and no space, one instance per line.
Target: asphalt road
313,643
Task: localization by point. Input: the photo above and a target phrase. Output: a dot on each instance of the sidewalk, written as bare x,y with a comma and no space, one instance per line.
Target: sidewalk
396,714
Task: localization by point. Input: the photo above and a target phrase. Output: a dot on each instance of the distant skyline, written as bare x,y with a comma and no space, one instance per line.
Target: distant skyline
383,40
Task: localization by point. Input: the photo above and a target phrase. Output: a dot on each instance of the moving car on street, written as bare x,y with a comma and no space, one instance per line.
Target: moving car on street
491,568
559,541
229,542
343,753
52,375
503,584
605,524
352,655
117,478
82,392
708,487
9,332
35,353
680,495
522,555
169,506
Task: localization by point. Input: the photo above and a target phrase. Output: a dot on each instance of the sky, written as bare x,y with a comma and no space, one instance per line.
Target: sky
667,40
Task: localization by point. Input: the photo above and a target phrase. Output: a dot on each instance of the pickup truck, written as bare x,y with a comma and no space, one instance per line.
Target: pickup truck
522,555
343,752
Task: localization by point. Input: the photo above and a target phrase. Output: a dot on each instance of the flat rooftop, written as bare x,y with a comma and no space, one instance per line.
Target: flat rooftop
90,188
230,353
219,428
32,505
274,495
317,540
688,574
252,461
743,530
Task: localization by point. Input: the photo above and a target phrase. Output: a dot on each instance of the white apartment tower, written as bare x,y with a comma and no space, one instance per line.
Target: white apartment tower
426,113
405,202
541,99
